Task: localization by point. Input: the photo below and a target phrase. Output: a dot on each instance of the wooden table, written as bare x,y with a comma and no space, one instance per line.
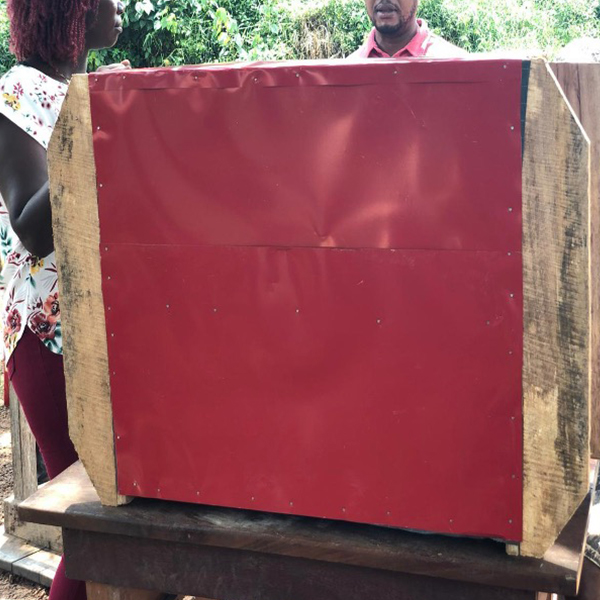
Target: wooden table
238,555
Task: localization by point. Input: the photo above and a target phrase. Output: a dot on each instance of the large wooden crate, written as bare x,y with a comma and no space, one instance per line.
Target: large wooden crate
351,291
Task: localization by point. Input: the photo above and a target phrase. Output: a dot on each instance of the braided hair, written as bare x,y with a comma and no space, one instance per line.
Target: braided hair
54,30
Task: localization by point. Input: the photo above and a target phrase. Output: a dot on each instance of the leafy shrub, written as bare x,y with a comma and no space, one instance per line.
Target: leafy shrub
163,32
476,25
331,29
6,58
484,25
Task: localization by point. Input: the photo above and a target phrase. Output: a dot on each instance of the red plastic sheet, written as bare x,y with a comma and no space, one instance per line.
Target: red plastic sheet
312,279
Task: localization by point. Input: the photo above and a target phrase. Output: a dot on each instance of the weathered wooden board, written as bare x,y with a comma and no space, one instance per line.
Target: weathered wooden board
23,451
76,238
71,502
99,591
239,575
556,362
581,85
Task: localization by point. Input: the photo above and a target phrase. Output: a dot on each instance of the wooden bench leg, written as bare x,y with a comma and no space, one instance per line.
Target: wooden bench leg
100,591
590,582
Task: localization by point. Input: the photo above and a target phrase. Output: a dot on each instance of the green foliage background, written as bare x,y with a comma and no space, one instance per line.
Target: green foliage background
6,58
175,32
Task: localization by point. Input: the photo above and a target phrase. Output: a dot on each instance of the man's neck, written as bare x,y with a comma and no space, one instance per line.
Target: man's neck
391,43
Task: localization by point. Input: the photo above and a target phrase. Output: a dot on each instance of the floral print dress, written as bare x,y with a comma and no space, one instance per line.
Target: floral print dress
28,284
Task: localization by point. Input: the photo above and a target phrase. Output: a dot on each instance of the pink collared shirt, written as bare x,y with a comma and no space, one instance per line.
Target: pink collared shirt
424,44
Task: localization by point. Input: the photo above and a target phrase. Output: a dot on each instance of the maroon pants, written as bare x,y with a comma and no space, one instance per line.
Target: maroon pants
38,378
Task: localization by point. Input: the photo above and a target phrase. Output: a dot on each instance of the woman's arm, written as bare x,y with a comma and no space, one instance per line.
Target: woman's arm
24,188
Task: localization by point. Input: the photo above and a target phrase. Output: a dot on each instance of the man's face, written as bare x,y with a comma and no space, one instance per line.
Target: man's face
391,16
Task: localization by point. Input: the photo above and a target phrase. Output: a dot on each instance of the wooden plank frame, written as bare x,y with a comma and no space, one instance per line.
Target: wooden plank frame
73,196
557,314
556,259
581,86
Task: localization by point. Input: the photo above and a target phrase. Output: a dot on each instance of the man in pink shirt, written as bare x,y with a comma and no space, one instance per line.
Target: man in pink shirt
397,33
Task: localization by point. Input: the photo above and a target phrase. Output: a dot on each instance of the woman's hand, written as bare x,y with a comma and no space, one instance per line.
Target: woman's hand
124,65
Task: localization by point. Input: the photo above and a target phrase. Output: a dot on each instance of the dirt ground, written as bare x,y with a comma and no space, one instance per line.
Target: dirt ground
12,588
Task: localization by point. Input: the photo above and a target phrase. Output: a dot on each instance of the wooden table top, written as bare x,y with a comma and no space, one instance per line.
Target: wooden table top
71,502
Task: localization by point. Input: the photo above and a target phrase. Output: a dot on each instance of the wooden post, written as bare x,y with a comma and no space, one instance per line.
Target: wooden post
23,451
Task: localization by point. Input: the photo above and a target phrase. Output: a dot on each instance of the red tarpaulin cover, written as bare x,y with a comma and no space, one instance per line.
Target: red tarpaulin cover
313,285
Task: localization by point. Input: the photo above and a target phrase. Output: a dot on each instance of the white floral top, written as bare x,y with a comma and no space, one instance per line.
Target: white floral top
28,284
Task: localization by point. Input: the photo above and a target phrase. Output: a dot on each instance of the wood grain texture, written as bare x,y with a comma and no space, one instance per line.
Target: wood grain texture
24,460
42,536
556,272
71,502
100,591
581,85
77,237
240,575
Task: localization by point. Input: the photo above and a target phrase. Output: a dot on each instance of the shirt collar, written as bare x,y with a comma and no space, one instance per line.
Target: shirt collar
416,47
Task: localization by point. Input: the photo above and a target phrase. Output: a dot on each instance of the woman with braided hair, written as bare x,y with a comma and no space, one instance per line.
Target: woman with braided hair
51,39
